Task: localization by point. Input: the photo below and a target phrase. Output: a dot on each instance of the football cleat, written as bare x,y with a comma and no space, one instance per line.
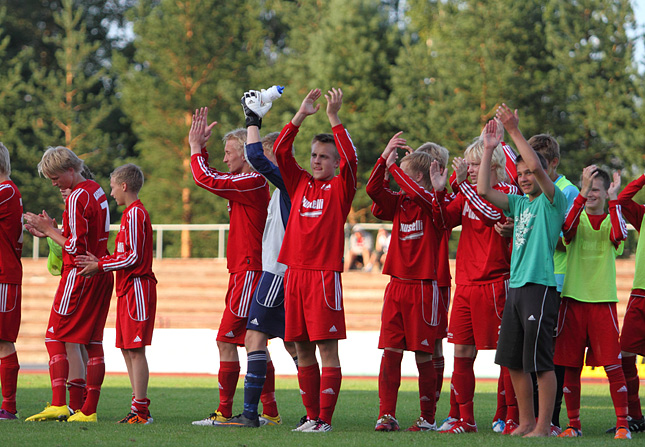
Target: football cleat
387,423
498,426
509,427
571,432
51,413
265,419
320,426
7,415
136,418
214,419
422,425
462,427
634,425
622,433
306,425
447,423
555,430
240,421
79,416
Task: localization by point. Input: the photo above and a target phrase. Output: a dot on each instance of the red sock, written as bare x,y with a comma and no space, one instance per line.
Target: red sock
95,376
463,380
309,382
427,390
389,380
9,367
269,405
140,406
618,391
76,389
438,363
58,371
572,395
632,381
227,377
500,412
330,381
512,412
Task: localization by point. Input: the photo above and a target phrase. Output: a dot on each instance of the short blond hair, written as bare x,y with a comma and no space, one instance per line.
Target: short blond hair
475,151
420,162
131,175
238,135
5,161
57,160
436,151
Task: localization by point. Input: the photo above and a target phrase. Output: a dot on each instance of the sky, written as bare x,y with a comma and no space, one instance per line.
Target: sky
639,12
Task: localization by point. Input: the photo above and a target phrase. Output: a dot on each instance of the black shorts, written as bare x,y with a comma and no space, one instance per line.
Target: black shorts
526,333
267,306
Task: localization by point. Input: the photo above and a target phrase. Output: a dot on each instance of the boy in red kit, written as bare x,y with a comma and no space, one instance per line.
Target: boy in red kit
410,316
632,336
81,304
248,198
136,285
10,284
587,316
482,273
313,251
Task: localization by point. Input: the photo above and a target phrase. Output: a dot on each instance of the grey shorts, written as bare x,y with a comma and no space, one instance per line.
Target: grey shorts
526,333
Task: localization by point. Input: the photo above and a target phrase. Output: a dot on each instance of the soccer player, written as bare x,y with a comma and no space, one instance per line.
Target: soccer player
482,274
10,284
313,251
587,315
410,316
632,336
266,313
136,285
525,342
248,197
81,304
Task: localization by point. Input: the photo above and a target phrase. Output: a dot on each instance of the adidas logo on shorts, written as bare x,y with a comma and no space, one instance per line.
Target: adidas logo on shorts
333,329
328,391
51,329
425,342
230,334
255,322
137,339
302,392
531,318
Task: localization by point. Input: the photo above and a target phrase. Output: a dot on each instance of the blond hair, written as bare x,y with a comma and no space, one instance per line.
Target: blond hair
5,161
420,162
57,160
474,154
268,141
436,151
131,175
239,135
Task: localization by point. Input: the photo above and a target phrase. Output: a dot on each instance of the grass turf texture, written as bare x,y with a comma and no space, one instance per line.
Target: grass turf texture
179,400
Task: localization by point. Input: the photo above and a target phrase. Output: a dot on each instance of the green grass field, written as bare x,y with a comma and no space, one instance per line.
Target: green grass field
178,400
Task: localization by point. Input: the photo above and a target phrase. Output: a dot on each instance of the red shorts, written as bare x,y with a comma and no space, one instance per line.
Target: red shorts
410,316
241,285
10,298
632,338
135,315
581,325
313,302
81,306
477,314
444,305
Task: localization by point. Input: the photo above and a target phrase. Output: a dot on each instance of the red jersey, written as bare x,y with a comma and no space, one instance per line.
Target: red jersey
10,234
632,211
415,241
248,200
315,235
86,222
483,256
132,257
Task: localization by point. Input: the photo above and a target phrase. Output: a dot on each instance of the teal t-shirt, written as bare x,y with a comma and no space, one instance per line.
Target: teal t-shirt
537,228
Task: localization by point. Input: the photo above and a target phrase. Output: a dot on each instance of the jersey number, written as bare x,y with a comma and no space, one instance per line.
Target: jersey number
104,205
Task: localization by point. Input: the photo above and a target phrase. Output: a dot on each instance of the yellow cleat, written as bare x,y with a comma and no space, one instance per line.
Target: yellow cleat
265,419
51,413
80,417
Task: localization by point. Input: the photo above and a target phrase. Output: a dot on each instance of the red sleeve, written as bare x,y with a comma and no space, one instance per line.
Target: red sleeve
348,161
233,187
289,167
570,226
511,170
78,219
419,194
385,200
446,213
632,211
618,226
452,181
133,244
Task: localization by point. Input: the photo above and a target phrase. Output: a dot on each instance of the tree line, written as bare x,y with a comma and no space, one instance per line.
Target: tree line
117,80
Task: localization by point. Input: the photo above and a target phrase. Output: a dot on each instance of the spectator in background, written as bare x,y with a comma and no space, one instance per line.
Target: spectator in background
360,249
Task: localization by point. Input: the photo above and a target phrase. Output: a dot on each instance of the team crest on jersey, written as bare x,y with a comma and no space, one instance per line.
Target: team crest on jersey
414,230
315,206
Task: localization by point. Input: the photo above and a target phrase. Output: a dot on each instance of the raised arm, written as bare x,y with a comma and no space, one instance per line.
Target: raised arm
385,200
618,225
633,211
348,166
200,131
511,120
484,188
